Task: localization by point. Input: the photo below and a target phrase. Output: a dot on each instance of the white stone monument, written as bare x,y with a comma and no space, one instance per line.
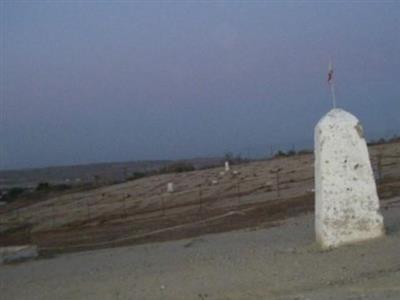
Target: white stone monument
170,187
227,167
346,200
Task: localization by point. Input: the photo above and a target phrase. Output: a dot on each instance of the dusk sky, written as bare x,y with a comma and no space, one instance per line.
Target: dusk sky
100,81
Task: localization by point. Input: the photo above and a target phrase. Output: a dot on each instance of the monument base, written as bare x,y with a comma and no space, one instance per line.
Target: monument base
350,236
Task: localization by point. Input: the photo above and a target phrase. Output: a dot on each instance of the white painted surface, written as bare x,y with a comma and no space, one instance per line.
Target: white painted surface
170,187
227,167
346,200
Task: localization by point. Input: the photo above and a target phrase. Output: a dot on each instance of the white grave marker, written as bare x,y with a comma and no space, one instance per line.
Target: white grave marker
346,200
227,167
170,187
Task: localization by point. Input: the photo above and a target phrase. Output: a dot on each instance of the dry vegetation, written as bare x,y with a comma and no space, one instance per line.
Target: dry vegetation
139,211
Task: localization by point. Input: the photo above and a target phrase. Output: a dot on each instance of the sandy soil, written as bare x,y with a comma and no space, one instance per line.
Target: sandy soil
263,263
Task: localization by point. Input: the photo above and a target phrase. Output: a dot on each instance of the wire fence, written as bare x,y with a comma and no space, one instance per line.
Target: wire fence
203,202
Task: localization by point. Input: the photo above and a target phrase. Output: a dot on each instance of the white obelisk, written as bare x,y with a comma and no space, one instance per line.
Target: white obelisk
346,199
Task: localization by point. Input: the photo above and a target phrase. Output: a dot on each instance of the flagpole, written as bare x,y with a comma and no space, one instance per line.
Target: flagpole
333,94
331,82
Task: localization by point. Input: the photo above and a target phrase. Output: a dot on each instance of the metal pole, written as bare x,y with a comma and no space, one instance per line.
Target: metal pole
200,204
124,207
30,234
331,82
54,214
333,94
379,166
17,215
88,209
238,190
277,185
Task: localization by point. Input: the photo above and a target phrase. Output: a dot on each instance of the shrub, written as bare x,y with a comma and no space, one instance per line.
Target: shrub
60,187
42,186
280,153
305,151
136,175
178,167
12,194
15,192
234,160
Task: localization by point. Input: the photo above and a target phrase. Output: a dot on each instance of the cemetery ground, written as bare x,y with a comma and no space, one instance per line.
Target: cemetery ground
265,249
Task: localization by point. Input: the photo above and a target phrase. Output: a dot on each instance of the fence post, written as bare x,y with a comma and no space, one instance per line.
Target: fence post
278,191
127,208
200,200
124,206
53,212
28,233
276,172
379,166
17,215
88,208
238,189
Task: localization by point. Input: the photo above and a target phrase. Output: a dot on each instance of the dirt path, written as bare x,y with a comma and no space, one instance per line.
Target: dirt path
265,263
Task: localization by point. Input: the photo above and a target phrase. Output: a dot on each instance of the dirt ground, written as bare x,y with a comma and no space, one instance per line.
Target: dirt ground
281,262
149,244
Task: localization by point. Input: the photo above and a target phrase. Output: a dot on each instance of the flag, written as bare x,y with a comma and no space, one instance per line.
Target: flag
330,73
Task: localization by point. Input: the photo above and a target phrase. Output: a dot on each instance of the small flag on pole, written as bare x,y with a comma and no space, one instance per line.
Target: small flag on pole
331,83
330,73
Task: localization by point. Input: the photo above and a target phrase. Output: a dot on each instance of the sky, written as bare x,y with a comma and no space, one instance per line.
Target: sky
99,81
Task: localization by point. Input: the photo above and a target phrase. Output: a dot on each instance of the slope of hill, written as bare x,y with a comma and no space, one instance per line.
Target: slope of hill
105,172
204,201
268,253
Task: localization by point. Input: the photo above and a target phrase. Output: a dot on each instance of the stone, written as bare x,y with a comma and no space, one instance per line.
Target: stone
346,199
18,253
170,187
